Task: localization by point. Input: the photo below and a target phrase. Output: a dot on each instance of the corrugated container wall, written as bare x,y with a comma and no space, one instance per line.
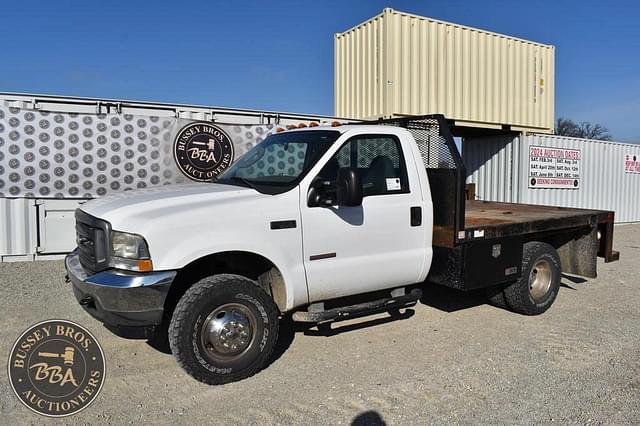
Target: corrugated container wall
18,233
399,64
43,227
608,176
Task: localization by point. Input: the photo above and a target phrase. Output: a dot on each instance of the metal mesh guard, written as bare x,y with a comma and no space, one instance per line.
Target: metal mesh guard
433,147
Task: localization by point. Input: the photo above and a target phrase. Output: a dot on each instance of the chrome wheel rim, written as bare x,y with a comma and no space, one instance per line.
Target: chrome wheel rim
228,332
540,280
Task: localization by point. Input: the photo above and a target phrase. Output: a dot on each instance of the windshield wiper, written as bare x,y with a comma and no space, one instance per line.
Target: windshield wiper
246,182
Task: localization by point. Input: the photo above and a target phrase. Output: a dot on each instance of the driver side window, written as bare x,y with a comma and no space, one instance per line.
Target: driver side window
377,158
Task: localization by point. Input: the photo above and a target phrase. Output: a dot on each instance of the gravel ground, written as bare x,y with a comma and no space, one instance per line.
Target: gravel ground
453,359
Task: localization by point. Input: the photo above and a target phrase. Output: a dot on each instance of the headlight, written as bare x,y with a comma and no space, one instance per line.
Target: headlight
129,246
129,251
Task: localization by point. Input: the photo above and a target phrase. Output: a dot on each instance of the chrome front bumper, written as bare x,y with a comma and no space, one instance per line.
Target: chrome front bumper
130,304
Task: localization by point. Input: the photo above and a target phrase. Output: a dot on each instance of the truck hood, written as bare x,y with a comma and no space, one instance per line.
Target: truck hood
182,223
135,211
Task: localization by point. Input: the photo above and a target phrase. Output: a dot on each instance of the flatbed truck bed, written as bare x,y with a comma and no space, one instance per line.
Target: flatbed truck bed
497,220
489,247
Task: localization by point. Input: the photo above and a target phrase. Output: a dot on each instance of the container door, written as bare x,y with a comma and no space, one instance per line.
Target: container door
56,219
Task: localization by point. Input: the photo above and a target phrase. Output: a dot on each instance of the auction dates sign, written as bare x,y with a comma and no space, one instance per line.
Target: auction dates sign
556,168
632,164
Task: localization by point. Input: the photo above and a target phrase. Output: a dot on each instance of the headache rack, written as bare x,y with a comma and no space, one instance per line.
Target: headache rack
445,170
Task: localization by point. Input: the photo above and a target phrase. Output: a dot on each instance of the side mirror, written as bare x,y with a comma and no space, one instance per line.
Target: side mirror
319,193
313,197
349,187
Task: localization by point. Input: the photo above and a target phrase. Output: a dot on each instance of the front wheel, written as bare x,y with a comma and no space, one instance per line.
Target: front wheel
538,286
223,329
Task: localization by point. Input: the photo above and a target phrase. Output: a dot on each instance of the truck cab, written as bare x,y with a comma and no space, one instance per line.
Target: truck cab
319,224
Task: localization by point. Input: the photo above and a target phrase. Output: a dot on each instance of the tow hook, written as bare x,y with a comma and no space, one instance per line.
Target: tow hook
87,300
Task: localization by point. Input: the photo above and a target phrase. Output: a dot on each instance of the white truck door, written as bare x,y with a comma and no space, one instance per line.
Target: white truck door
351,250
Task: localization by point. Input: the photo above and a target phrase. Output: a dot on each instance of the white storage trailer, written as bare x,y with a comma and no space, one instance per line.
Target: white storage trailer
556,171
57,152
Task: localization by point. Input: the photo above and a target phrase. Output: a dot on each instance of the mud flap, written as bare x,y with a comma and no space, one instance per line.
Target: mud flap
578,256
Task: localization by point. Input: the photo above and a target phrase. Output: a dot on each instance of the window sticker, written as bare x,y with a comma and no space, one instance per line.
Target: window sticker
393,184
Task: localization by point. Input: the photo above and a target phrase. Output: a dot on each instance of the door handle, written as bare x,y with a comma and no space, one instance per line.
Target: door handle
416,216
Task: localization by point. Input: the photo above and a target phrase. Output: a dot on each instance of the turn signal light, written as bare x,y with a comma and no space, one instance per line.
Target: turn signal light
336,124
301,126
313,124
279,130
145,265
291,126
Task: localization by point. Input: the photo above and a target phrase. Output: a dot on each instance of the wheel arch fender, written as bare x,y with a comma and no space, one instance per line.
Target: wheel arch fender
266,273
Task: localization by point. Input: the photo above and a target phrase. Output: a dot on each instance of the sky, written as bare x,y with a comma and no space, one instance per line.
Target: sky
278,55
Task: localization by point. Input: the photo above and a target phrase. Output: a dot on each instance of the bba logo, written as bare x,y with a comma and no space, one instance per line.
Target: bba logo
56,368
202,151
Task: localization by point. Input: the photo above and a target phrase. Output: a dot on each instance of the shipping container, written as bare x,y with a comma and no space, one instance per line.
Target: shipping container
401,64
58,152
557,171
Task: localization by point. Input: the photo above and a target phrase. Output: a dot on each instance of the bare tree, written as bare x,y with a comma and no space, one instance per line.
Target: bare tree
566,127
586,130
595,131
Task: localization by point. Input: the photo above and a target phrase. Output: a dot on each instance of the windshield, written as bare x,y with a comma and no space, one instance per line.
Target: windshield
278,163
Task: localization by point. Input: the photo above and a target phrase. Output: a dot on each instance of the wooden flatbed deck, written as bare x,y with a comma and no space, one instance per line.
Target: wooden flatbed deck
496,220
488,213
508,219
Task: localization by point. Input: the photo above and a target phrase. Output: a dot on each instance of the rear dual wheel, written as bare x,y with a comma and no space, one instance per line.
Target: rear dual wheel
537,288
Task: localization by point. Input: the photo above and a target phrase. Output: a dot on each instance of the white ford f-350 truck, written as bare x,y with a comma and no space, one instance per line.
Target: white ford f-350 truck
364,216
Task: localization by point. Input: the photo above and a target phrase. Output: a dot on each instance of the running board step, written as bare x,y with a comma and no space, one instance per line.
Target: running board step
360,309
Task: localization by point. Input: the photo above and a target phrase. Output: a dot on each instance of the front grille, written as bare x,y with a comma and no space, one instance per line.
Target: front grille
92,239
86,250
